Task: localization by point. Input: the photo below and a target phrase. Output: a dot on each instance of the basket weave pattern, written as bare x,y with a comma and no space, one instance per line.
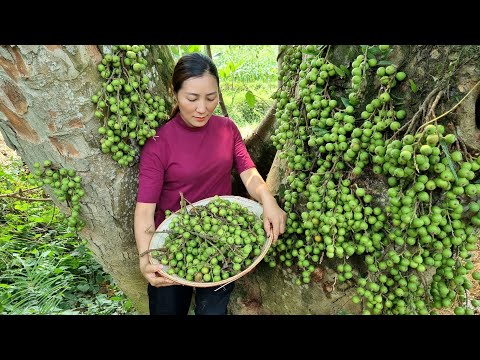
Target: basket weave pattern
158,241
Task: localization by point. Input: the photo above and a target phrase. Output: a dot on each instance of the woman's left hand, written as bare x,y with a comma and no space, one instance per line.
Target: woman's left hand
274,219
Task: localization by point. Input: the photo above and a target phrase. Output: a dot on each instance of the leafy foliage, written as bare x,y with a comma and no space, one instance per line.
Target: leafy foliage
248,78
253,62
44,267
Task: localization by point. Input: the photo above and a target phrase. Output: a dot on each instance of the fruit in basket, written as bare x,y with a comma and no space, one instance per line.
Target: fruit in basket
211,242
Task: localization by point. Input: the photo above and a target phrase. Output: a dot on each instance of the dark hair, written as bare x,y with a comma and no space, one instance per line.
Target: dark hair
190,66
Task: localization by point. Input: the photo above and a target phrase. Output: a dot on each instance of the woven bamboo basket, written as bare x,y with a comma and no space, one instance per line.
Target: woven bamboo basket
158,240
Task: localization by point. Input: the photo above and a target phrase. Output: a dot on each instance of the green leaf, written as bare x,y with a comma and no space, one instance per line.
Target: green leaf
339,71
99,278
384,63
413,86
231,66
21,207
102,299
83,287
345,101
449,159
174,50
319,131
345,70
193,48
250,99
373,51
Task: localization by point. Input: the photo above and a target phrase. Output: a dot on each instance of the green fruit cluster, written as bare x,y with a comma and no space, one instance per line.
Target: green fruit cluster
67,187
429,222
213,242
129,112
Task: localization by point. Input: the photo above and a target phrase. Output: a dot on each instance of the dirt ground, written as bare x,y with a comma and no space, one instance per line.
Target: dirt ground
7,155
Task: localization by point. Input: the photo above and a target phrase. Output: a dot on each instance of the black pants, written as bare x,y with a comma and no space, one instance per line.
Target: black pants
175,300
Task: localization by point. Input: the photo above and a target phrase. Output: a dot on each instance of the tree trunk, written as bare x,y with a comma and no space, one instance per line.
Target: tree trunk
442,76
46,113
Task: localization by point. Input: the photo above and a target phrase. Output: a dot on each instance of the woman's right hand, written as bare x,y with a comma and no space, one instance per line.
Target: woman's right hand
151,272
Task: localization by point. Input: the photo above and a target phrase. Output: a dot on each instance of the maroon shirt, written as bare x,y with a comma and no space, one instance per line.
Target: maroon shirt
195,161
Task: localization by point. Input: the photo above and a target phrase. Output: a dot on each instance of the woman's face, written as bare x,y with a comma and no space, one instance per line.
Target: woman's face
197,99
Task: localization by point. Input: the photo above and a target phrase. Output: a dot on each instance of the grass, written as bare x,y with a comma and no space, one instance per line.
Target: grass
248,79
45,268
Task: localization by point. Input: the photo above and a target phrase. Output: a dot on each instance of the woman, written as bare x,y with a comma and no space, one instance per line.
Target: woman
193,153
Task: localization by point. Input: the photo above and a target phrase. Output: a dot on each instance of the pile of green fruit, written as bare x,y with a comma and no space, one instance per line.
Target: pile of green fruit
67,187
212,242
129,111
428,223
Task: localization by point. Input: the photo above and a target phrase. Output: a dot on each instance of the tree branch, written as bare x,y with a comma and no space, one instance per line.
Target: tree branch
222,103
23,198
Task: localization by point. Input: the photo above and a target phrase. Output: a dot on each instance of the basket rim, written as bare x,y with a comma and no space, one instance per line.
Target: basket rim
220,283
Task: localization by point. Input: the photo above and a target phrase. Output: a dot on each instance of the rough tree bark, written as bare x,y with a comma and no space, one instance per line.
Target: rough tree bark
46,113
443,76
